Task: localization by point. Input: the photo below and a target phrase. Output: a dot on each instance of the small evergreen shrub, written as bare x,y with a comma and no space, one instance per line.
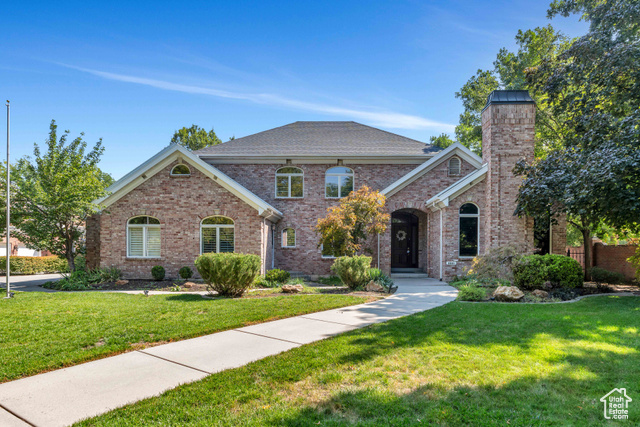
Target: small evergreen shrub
352,270
157,272
277,276
600,275
185,273
229,274
471,292
533,271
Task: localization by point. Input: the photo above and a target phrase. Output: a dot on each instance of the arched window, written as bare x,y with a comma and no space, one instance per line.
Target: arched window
338,182
143,237
289,182
469,230
217,234
180,170
454,166
288,238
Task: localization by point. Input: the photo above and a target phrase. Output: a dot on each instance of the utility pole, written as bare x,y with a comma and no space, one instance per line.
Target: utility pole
8,257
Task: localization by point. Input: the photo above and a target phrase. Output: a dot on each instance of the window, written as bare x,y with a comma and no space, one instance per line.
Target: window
181,170
288,238
143,237
217,234
289,182
338,182
454,166
469,218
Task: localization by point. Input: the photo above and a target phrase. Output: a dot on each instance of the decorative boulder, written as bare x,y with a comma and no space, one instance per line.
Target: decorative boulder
188,285
292,289
373,287
508,294
540,293
121,282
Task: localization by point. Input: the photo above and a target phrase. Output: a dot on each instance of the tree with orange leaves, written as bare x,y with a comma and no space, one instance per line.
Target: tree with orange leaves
345,228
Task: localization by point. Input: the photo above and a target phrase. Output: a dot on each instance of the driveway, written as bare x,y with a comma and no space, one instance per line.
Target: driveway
30,283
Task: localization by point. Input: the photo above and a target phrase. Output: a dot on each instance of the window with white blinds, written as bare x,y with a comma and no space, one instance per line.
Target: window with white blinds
217,234
143,237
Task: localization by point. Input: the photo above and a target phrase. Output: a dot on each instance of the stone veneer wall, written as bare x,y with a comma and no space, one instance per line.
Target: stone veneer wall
180,203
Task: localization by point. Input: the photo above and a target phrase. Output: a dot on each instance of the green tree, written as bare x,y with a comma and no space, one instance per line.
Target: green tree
53,194
195,138
442,141
511,71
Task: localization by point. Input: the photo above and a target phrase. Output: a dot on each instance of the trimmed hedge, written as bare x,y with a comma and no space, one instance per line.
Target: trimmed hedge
353,270
229,274
157,271
533,271
600,275
35,264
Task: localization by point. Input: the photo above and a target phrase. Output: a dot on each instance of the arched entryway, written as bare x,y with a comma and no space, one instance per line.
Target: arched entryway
405,227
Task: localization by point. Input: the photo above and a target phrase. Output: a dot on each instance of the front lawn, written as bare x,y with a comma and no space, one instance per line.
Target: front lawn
44,331
459,364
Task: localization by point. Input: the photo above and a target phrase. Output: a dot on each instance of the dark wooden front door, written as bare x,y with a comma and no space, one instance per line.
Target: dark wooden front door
404,240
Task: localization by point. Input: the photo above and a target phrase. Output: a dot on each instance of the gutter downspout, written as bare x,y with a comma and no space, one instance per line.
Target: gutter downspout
378,251
441,259
273,246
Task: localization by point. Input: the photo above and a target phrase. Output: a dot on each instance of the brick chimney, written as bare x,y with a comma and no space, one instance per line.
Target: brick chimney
508,135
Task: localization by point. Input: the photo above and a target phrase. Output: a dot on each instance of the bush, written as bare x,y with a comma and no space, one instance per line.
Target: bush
533,271
471,292
353,271
186,273
81,280
495,264
35,264
277,276
261,282
379,278
229,274
600,275
157,272
635,261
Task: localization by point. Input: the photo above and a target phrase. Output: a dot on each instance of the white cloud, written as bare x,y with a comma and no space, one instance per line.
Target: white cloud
388,119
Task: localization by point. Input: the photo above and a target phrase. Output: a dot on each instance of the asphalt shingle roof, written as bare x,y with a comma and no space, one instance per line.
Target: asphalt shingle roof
322,139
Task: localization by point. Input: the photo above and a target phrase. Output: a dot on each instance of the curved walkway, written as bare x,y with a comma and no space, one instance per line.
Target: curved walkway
62,397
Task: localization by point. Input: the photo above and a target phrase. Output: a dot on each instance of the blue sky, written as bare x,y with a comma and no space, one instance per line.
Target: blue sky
134,72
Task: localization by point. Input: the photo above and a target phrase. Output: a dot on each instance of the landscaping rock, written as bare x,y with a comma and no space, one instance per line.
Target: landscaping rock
547,285
540,293
373,287
508,294
188,285
121,282
292,289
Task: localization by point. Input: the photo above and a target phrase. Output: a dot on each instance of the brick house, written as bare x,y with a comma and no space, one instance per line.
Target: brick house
262,194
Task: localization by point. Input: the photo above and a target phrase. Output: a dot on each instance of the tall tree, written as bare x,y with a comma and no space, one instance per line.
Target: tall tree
510,71
53,194
442,141
195,138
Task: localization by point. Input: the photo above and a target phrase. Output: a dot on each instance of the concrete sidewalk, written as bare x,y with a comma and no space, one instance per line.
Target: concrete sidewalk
62,397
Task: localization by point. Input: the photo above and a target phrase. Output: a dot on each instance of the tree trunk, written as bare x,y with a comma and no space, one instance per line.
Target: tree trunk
70,256
588,245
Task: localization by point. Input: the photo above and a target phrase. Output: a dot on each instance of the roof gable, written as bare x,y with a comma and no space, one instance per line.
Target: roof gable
443,198
167,156
321,139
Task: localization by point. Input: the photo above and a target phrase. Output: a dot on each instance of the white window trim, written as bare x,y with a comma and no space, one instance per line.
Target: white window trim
217,227
284,239
180,174
144,239
323,256
478,238
340,176
459,166
288,175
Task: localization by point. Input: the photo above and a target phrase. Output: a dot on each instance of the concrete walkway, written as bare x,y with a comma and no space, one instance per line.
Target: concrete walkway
62,397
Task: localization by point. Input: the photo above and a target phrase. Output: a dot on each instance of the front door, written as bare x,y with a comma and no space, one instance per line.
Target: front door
404,240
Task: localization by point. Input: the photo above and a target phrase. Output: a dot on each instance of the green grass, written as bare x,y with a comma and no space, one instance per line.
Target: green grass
44,331
459,364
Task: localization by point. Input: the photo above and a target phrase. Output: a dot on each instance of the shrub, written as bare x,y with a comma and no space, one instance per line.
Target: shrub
600,275
353,271
471,292
277,276
186,273
157,271
379,278
495,264
635,261
35,264
229,274
533,271
81,280
261,282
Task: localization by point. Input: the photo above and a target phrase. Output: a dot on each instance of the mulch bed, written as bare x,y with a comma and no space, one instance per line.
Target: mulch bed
567,294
